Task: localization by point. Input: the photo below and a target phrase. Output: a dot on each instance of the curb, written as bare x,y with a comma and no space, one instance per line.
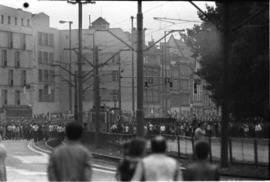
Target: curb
94,155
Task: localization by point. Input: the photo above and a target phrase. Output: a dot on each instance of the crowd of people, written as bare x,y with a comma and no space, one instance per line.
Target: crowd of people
35,128
72,161
250,127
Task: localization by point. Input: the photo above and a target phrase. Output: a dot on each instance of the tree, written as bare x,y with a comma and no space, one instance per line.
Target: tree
248,56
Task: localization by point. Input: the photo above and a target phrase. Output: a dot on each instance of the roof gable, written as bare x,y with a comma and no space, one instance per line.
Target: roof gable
100,21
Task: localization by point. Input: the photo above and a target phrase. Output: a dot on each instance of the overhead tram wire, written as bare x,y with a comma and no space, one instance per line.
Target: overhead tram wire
146,11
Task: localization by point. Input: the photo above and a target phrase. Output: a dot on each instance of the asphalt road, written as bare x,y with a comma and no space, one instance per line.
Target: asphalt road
24,163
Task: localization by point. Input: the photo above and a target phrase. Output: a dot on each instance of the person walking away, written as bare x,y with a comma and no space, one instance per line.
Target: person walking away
70,161
202,169
3,156
133,153
158,166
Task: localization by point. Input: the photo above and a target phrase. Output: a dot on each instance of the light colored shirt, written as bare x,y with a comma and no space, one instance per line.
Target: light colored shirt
157,167
199,134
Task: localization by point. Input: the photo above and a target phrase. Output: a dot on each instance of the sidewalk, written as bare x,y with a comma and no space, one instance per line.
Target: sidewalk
113,154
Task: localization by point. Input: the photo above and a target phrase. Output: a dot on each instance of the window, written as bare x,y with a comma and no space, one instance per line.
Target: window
52,95
16,21
40,76
22,22
51,40
46,76
46,93
39,57
10,78
4,57
115,75
9,20
39,38
23,41
28,22
10,39
115,95
45,59
2,19
17,98
46,39
40,95
51,58
5,97
17,59
51,76
24,77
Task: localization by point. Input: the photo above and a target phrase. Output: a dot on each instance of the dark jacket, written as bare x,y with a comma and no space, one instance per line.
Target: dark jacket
201,171
70,162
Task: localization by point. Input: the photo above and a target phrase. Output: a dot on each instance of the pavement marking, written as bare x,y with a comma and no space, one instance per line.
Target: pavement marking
32,159
29,146
24,172
104,171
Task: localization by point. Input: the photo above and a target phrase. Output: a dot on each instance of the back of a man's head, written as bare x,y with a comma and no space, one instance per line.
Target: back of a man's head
74,131
158,144
136,147
202,150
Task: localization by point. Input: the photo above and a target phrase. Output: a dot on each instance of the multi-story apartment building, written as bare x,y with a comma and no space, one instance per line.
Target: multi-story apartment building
46,53
152,82
16,60
187,93
115,75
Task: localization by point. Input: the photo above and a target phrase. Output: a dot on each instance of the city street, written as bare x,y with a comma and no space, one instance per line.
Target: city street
26,164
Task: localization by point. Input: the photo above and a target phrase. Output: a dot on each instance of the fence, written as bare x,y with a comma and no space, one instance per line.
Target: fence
240,150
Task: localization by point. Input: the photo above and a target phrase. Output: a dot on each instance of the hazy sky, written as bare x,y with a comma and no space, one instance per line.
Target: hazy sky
116,13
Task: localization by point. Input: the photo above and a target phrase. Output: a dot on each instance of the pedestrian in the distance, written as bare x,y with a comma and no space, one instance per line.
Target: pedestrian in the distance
200,134
3,156
71,161
157,166
135,150
202,169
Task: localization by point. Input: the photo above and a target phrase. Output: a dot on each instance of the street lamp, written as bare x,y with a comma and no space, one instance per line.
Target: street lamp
70,89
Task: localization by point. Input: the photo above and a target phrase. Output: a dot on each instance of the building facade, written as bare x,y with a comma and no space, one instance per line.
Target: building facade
113,55
16,49
46,54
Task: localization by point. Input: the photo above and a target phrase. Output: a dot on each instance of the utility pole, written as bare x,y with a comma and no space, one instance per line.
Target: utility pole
79,76
97,96
132,68
224,121
75,97
80,106
119,87
165,73
70,77
140,111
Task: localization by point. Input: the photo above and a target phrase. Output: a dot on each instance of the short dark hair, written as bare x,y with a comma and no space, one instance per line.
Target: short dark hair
136,147
74,131
158,144
202,150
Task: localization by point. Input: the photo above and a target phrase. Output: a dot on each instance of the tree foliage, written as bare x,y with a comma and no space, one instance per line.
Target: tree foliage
248,69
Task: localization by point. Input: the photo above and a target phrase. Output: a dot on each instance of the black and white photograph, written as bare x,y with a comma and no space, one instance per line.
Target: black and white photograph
134,90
